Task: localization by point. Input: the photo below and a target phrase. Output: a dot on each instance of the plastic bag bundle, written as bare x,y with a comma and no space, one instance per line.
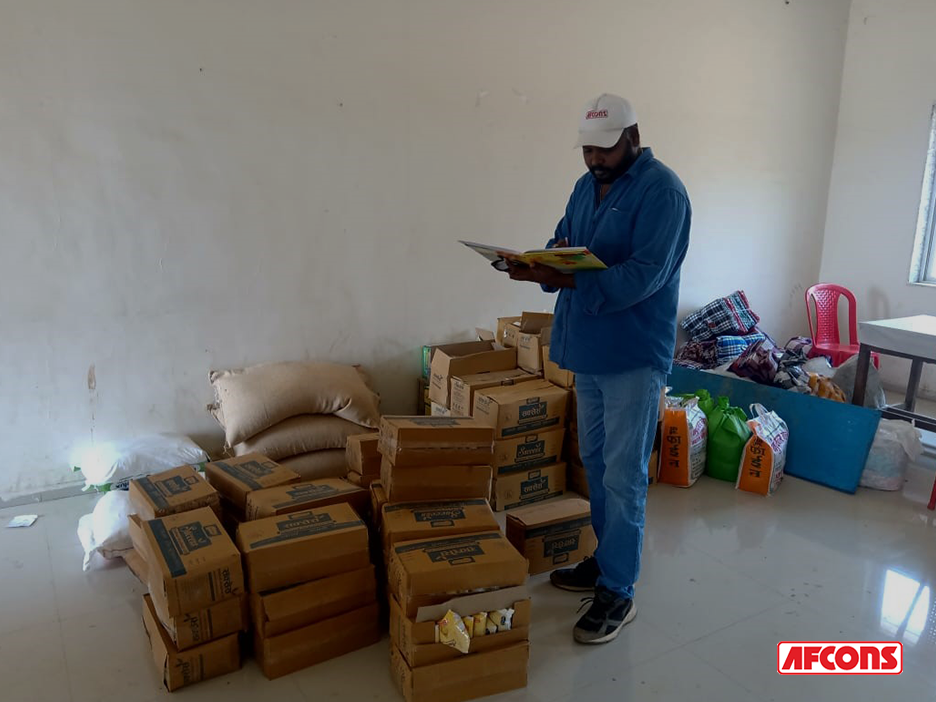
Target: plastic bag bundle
105,530
684,439
728,434
112,465
896,444
764,456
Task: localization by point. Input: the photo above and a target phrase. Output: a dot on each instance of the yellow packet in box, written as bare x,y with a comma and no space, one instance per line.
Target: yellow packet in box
452,632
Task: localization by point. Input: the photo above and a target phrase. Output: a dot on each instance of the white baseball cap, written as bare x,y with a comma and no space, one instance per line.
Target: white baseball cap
603,121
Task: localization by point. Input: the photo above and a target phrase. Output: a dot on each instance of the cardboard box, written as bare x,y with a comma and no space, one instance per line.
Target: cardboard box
464,387
554,534
507,330
464,678
577,479
181,668
556,375
196,628
437,410
530,351
362,454
235,477
192,562
137,564
414,637
529,407
297,497
531,450
378,498
302,546
426,572
434,483
277,612
434,441
363,481
298,649
424,520
520,486
464,359
137,537
170,492
231,517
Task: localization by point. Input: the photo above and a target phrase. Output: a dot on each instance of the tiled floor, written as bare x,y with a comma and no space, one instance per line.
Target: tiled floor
726,576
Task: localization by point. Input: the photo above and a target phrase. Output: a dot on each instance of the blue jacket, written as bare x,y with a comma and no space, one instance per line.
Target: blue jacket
624,317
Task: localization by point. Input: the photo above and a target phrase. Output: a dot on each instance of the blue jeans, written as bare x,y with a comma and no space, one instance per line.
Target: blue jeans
617,417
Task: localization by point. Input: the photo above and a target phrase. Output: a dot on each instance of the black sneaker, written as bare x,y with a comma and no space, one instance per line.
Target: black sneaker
581,578
605,618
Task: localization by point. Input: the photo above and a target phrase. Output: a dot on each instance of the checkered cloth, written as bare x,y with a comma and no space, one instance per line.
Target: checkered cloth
698,355
730,315
728,348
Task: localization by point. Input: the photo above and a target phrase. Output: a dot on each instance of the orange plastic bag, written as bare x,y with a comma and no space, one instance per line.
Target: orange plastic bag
764,455
684,437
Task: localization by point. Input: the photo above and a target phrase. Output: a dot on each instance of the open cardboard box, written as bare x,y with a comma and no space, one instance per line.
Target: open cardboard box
465,359
415,636
422,573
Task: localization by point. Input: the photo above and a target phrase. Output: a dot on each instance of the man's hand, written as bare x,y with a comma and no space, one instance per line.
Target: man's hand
544,275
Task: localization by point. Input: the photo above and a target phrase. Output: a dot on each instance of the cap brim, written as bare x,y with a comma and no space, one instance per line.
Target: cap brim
602,139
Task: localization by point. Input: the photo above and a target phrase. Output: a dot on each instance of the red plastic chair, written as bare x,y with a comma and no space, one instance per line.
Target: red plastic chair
825,333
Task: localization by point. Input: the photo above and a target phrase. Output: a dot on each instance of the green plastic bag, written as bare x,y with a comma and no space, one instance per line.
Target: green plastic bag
728,433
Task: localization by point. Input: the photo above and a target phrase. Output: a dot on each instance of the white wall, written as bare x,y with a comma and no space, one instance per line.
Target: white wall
187,185
888,91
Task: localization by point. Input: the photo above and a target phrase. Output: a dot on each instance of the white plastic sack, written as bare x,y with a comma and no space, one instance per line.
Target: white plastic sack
844,377
896,444
112,465
105,530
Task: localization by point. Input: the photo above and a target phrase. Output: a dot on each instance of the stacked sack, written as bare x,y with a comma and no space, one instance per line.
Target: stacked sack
299,414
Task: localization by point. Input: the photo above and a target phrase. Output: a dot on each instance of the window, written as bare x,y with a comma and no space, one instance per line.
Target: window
923,266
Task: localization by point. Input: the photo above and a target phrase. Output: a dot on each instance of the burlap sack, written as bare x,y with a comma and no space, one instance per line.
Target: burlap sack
318,464
250,400
302,434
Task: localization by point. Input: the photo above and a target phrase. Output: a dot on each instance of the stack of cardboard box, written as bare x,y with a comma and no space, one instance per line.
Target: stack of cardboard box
196,604
235,478
529,422
423,577
363,458
313,593
440,537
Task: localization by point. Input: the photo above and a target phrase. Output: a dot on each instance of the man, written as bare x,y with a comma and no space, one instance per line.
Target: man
616,329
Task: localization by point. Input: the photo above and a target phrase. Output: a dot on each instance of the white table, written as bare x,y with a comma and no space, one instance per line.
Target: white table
908,337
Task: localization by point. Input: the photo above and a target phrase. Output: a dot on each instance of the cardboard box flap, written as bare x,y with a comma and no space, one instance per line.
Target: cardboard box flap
308,524
559,512
484,334
535,322
481,602
522,391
